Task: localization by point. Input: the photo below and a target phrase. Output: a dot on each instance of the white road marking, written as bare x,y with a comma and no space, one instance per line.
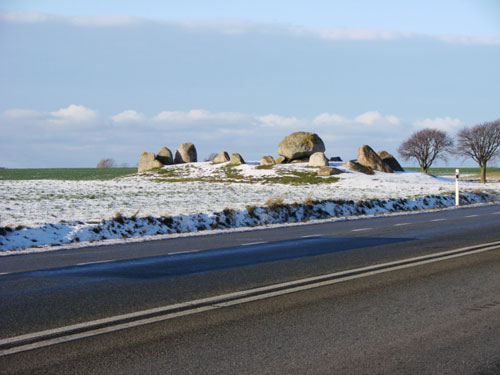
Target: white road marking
253,243
496,213
472,216
4,273
226,300
360,229
439,220
96,262
401,224
311,236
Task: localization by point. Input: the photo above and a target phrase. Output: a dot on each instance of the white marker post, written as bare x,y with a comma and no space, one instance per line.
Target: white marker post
457,192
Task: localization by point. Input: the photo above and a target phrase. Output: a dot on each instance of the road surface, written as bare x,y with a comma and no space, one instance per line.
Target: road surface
436,317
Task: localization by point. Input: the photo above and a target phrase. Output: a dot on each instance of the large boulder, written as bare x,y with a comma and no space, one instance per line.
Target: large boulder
356,167
391,161
147,161
236,159
221,157
186,153
267,160
369,158
300,145
164,156
318,159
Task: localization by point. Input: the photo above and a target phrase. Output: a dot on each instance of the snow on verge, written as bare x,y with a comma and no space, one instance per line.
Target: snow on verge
46,235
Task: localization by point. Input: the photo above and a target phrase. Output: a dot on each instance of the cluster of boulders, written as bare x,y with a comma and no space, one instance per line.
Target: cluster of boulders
309,147
185,153
234,159
368,161
294,148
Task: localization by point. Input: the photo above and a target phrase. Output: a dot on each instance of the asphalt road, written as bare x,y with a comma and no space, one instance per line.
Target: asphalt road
443,317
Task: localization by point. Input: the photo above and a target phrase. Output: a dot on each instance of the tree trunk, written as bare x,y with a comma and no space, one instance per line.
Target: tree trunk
483,173
423,168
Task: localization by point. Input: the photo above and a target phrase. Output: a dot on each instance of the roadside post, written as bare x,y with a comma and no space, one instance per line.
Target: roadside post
457,192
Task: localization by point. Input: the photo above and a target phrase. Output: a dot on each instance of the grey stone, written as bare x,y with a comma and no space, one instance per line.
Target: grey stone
147,161
318,159
391,161
300,145
221,157
369,158
186,153
328,171
356,167
267,160
236,159
164,156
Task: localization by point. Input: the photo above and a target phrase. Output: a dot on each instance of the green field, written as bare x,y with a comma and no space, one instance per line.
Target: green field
75,174
451,171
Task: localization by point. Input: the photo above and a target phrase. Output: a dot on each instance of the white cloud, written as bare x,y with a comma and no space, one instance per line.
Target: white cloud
352,34
329,118
73,114
368,118
170,116
446,124
237,132
249,134
467,39
23,17
128,116
243,28
199,115
224,27
392,120
88,21
104,21
272,120
21,114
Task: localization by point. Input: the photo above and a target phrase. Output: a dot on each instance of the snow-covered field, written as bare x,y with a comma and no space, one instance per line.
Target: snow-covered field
58,212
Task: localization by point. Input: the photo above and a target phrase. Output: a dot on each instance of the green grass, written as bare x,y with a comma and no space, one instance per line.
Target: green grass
451,171
231,174
168,172
75,174
300,178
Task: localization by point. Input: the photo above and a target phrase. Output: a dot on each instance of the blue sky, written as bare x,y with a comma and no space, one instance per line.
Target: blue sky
85,80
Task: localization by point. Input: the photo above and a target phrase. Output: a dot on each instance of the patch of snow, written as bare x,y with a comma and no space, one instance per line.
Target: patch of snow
59,212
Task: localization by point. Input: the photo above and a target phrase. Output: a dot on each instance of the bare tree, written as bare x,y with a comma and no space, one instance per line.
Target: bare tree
481,143
426,146
106,163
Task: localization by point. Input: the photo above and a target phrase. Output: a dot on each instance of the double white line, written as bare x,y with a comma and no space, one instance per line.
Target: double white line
97,327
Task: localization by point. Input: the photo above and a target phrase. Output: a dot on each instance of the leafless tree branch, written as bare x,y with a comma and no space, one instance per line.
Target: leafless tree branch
481,143
426,146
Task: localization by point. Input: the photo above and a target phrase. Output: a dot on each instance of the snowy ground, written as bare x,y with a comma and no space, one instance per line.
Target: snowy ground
72,210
